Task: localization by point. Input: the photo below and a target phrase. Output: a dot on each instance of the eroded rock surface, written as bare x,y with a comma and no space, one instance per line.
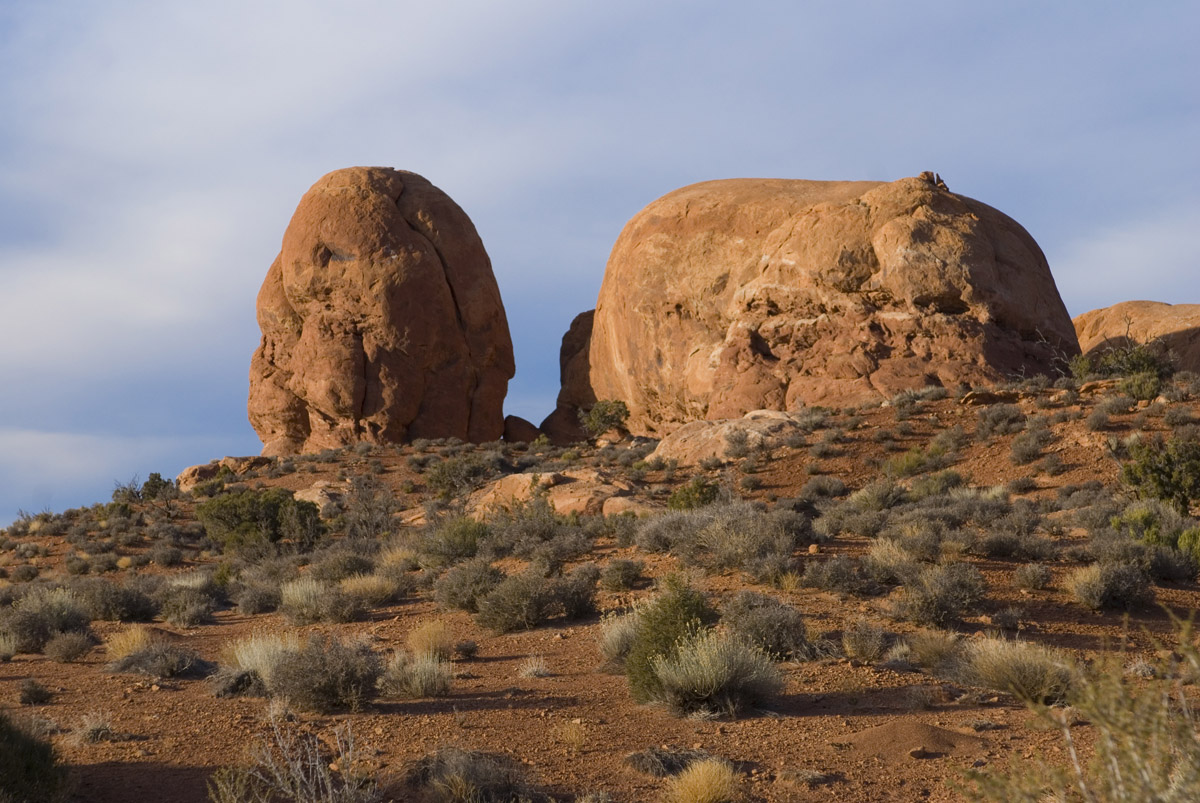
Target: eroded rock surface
729,296
381,321
1130,322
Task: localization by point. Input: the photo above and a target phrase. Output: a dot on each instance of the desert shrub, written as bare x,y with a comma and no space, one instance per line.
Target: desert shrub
1115,405
915,461
774,627
1032,576
697,492
1028,446
935,484
306,600
938,651
371,590
8,647
617,635
166,555
665,761
68,647
999,419
1147,746
29,768
864,640
257,597
1168,471
454,775
839,573
37,616
524,601
677,610
337,564
709,780
431,637
621,574
160,658
1109,585
1171,565
942,594
290,766
327,675
825,486
1143,385
1129,359
709,672
248,518
368,508
462,587
887,561
455,476
113,603
450,542
1031,672
185,606
416,675
33,693
604,415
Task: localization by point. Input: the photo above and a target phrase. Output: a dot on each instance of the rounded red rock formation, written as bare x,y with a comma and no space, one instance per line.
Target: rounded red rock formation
745,294
381,321
1176,326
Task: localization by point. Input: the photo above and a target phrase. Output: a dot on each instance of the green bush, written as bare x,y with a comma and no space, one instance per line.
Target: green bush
29,768
1110,585
676,611
1168,471
455,476
604,415
1124,361
698,492
450,542
241,519
1144,385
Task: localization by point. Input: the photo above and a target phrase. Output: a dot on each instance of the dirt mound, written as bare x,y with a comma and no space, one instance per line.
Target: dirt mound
904,740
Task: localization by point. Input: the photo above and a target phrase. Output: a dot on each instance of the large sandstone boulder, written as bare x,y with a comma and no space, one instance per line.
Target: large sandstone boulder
730,296
1176,326
381,321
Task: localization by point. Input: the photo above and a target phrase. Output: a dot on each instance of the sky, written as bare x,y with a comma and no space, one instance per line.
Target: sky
152,153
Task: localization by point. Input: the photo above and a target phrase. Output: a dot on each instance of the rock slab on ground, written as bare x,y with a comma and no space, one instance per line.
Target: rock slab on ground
729,296
381,321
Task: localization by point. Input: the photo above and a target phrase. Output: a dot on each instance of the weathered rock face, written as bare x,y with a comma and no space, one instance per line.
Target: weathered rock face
1176,325
381,321
745,294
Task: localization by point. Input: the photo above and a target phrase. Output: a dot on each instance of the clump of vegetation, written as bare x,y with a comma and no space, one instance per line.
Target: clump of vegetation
327,675
710,672
864,641
999,419
1146,744
29,768
774,627
661,623
41,614
942,594
465,585
248,518
452,775
697,492
1130,360
1169,471
1113,584
709,780
1031,672
416,675
604,415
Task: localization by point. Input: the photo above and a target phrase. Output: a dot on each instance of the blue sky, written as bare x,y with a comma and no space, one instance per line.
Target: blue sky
151,154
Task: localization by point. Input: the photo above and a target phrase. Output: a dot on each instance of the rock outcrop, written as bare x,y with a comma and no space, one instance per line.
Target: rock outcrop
381,321
1176,326
729,296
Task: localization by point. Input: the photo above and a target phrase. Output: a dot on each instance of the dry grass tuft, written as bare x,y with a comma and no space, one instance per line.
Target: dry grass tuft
710,780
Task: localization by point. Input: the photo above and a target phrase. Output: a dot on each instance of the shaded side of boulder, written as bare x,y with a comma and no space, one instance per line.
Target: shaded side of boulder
381,321
562,426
